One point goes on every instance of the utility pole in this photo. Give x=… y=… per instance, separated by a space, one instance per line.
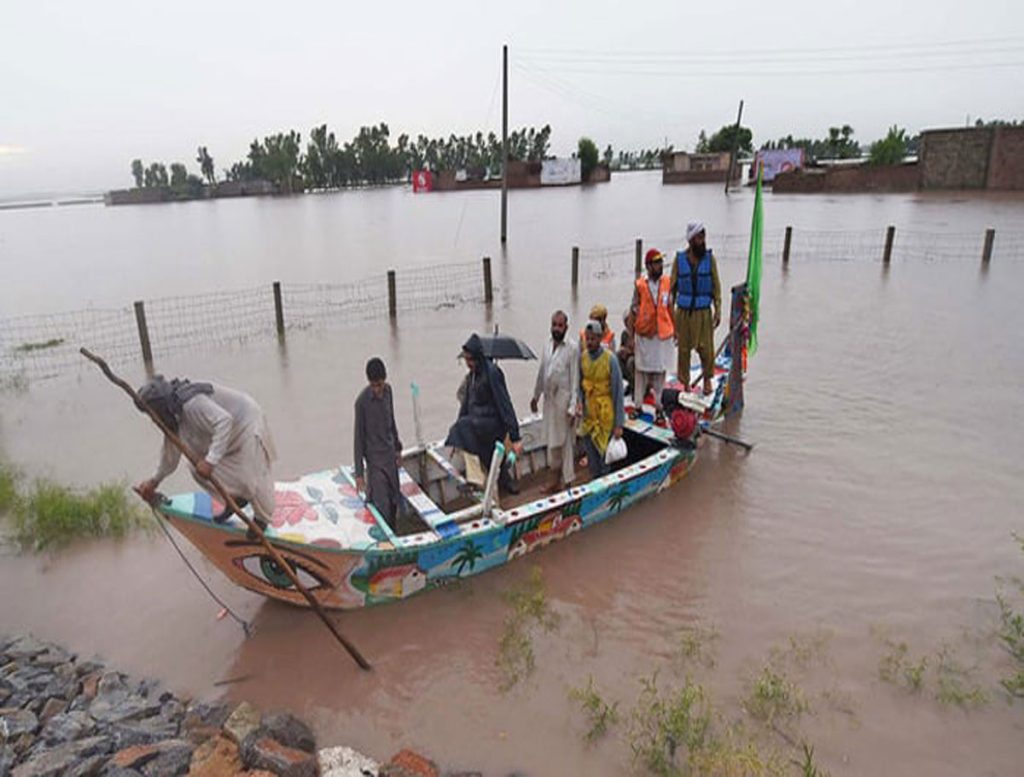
x=735 y=144
x=504 y=143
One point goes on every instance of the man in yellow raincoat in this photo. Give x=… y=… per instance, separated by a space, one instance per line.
x=601 y=398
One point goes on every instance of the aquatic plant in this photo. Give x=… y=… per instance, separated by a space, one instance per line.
x=774 y=698
x=51 y=514
x=1011 y=632
x=40 y=346
x=897 y=668
x=955 y=684
x=677 y=732
x=600 y=714
x=697 y=646
x=528 y=606
x=8 y=488
x=667 y=729
x=14 y=383
x=807 y=766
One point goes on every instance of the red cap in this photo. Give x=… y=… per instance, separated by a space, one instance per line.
x=653 y=255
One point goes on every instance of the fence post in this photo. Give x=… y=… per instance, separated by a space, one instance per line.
x=278 y=309
x=639 y=264
x=488 y=289
x=392 y=300
x=986 y=252
x=785 y=246
x=575 y=267
x=140 y=319
x=890 y=235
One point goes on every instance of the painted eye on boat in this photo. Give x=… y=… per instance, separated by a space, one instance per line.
x=266 y=570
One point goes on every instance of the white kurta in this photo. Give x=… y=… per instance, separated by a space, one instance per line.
x=558 y=381
x=228 y=429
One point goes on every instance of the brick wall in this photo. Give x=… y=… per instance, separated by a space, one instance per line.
x=1006 y=162
x=955 y=158
x=859 y=178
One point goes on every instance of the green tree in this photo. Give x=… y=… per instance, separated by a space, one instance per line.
x=839 y=144
x=179 y=177
x=205 y=162
x=138 y=173
x=155 y=176
x=724 y=138
x=891 y=149
x=588 y=154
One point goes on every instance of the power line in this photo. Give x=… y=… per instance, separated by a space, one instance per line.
x=760 y=73
x=909 y=47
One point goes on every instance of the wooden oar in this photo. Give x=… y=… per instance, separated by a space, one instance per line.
x=747 y=446
x=233 y=506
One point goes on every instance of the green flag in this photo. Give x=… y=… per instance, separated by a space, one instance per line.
x=754 y=265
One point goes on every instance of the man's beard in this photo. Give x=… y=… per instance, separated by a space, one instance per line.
x=558 y=336
x=655 y=274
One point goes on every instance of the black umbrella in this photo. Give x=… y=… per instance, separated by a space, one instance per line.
x=505 y=347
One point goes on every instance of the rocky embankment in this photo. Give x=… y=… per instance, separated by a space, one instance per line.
x=63 y=716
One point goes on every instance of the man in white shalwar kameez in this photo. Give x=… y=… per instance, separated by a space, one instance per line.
x=226 y=429
x=654 y=332
x=558 y=380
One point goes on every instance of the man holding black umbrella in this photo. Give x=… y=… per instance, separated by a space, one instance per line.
x=486 y=414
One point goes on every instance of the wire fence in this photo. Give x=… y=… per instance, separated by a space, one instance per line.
x=43 y=346
x=805 y=245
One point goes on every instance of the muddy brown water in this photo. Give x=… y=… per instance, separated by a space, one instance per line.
x=878 y=503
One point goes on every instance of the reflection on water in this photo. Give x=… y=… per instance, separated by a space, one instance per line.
x=882 y=491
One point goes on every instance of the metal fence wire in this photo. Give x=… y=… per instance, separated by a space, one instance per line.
x=43 y=346
x=807 y=245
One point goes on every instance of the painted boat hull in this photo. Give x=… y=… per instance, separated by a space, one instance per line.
x=348 y=579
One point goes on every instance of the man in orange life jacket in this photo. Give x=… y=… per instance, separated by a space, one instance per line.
x=655 y=331
x=697 y=295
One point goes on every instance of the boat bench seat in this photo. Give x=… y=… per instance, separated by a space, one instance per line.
x=424 y=506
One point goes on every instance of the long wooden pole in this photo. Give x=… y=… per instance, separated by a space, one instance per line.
x=233 y=506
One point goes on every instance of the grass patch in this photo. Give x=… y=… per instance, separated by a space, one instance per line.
x=600 y=715
x=774 y=698
x=51 y=514
x=898 y=668
x=40 y=346
x=528 y=607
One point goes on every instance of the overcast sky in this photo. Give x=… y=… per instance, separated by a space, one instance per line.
x=87 y=86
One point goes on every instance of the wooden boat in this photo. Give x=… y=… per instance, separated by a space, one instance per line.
x=347 y=556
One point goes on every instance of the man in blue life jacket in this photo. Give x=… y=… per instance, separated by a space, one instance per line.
x=697 y=296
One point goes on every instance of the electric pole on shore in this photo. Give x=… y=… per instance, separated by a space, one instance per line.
x=735 y=145
x=504 y=143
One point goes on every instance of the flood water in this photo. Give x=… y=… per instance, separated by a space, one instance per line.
x=878 y=503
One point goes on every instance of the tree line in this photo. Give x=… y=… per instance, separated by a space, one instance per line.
x=369 y=158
